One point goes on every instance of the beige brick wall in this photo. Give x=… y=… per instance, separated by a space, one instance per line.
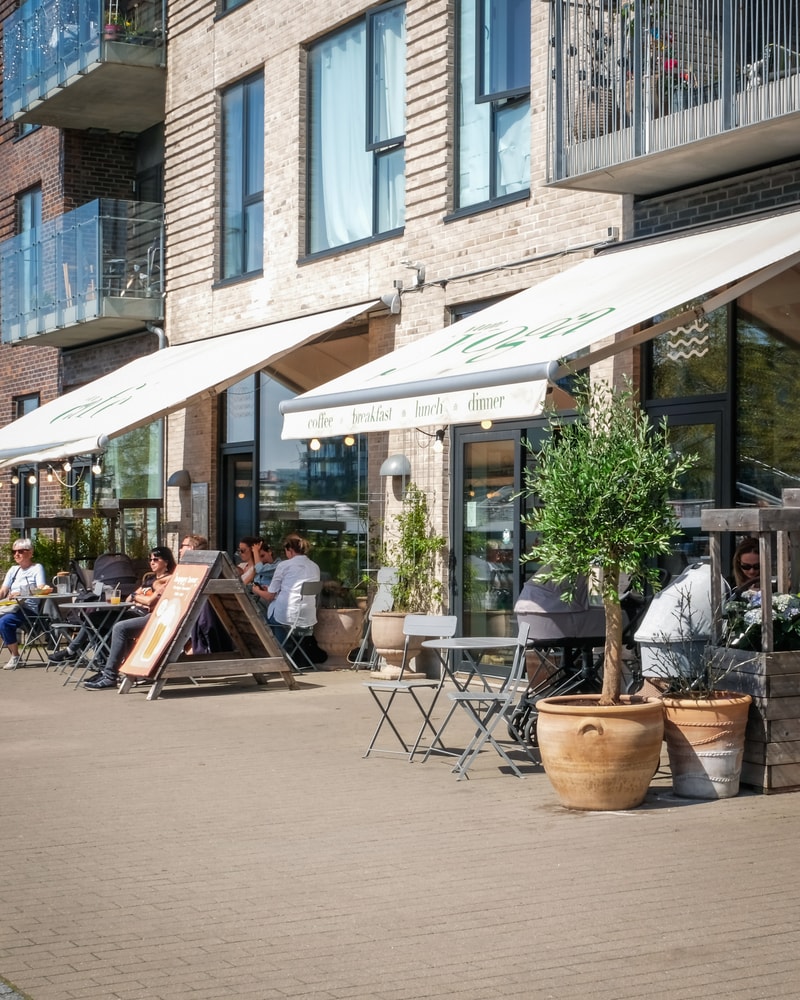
x=479 y=256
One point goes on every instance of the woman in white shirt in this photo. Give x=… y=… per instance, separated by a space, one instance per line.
x=23 y=578
x=283 y=594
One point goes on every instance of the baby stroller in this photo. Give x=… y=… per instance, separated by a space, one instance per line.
x=564 y=636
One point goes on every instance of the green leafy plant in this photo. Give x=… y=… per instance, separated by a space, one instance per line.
x=742 y=617
x=414 y=552
x=603 y=482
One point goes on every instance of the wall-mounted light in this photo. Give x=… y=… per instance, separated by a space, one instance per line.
x=349 y=440
x=181 y=479
x=396 y=465
x=392 y=300
x=438 y=441
x=486 y=424
x=314 y=444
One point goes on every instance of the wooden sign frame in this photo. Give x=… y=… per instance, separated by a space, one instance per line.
x=159 y=654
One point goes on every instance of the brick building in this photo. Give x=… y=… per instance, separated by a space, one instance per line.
x=409 y=163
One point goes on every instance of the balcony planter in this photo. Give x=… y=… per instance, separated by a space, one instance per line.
x=113 y=32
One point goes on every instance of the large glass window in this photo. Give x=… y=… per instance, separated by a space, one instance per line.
x=243 y=178
x=357 y=131
x=493 y=101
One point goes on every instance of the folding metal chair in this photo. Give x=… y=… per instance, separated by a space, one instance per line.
x=487 y=709
x=299 y=629
x=37 y=635
x=429 y=627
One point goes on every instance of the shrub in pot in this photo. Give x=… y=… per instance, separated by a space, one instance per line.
x=413 y=552
x=602 y=484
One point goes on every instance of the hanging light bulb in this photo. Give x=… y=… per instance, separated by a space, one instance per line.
x=97 y=468
x=486 y=424
x=67 y=465
x=314 y=444
x=349 y=440
x=438 y=444
x=14 y=478
x=50 y=476
x=32 y=479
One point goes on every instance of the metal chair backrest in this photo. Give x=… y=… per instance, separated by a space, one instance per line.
x=517 y=672
x=431 y=626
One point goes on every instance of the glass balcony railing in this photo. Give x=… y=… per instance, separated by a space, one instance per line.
x=101 y=262
x=633 y=78
x=49 y=43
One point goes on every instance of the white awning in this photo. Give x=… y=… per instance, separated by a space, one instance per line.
x=81 y=421
x=492 y=365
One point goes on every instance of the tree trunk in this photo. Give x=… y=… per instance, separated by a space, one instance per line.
x=612 y=655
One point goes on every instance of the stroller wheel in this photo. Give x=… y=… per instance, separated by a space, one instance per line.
x=530 y=729
x=516 y=724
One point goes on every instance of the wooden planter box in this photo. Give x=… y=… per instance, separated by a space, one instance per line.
x=771 y=760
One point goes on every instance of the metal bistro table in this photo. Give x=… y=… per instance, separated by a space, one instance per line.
x=98 y=617
x=473 y=649
x=36 y=623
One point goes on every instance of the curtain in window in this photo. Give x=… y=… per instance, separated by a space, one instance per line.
x=388 y=90
x=232 y=182
x=341 y=166
x=513 y=126
x=473 y=119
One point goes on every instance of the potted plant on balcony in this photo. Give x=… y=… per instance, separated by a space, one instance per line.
x=414 y=554
x=602 y=485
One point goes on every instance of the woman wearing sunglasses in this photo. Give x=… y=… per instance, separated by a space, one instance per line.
x=125 y=632
x=746 y=566
x=249 y=552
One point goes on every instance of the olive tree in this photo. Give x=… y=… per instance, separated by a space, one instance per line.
x=602 y=484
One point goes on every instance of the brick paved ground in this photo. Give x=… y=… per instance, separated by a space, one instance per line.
x=230 y=842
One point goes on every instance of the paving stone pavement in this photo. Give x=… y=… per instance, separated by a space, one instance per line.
x=230 y=842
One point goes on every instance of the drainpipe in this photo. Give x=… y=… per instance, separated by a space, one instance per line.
x=162 y=343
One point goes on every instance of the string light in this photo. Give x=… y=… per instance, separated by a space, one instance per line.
x=50 y=474
x=14 y=478
x=67 y=466
x=314 y=444
x=486 y=424
x=438 y=444
x=349 y=440
x=97 y=468
x=32 y=479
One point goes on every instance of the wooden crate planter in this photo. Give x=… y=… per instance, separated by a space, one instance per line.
x=772 y=740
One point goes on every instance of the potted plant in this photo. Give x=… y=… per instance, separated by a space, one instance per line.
x=602 y=484
x=704 y=725
x=413 y=553
x=339 y=619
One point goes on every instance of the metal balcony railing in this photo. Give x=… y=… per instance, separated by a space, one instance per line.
x=101 y=261
x=48 y=43
x=629 y=78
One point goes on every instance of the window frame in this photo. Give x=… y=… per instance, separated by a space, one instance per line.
x=248 y=199
x=497 y=103
x=481 y=33
x=380 y=148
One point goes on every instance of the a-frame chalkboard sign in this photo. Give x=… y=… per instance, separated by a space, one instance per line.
x=159 y=654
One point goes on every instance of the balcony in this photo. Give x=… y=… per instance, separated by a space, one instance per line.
x=652 y=96
x=66 y=66
x=84 y=276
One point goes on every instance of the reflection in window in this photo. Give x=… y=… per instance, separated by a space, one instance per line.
x=690 y=362
x=322 y=494
x=768 y=373
x=357 y=130
x=493 y=113
x=243 y=178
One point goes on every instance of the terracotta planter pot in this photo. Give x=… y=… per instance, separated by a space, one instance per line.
x=705 y=743
x=600 y=757
x=388 y=638
x=338 y=630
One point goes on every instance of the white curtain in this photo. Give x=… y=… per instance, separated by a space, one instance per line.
x=474 y=119
x=341 y=167
x=513 y=148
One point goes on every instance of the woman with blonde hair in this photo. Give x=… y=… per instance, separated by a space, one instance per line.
x=283 y=595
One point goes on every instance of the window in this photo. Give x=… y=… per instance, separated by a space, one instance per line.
x=230 y=4
x=493 y=113
x=357 y=131
x=243 y=178
x=25 y=404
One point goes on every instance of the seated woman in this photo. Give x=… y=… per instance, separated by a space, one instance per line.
x=283 y=595
x=125 y=633
x=23 y=578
